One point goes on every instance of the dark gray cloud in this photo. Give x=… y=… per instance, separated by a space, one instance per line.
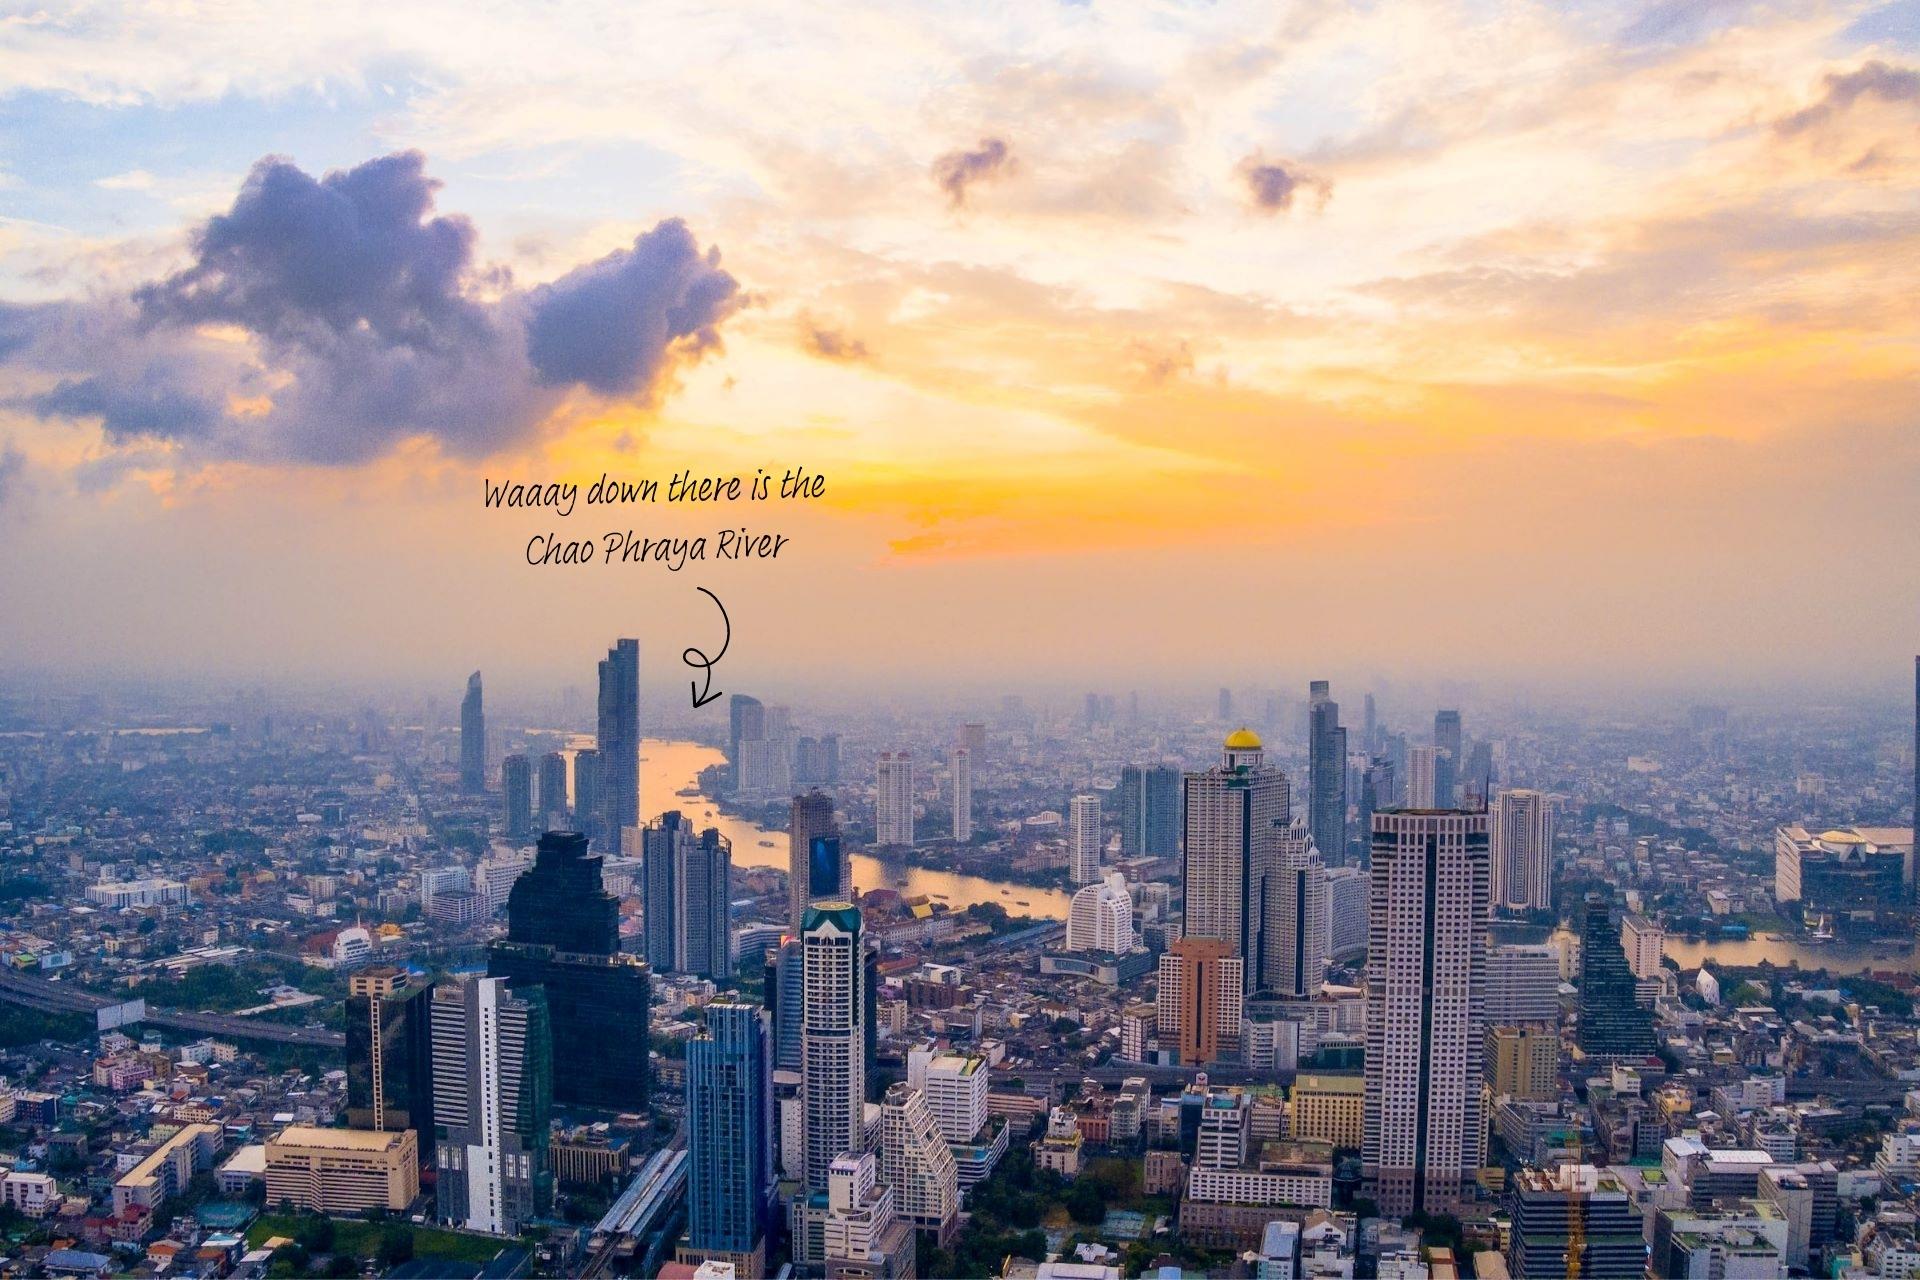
x=830 y=343
x=371 y=323
x=613 y=324
x=956 y=171
x=1874 y=79
x=1274 y=185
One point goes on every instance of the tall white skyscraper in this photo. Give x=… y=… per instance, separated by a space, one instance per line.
x=1101 y=917
x=1423 y=764
x=1293 y=954
x=893 y=799
x=1426 y=979
x=1236 y=813
x=1083 y=821
x=1523 y=825
x=832 y=1036
x=962 y=794
x=492 y=1092
x=917 y=1163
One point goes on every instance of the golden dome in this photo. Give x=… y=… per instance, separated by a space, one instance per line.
x=1243 y=739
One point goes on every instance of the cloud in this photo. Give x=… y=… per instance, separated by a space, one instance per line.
x=1273 y=185
x=828 y=342
x=363 y=320
x=1874 y=79
x=13 y=465
x=958 y=170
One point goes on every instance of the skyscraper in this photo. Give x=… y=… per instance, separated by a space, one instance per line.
x=746 y=722
x=619 y=741
x=833 y=1036
x=962 y=794
x=729 y=1138
x=1150 y=811
x=1426 y=974
x=1199 y=1000
x=1612 y=1023
x=1326 y=775
x=553 y=791
x=816 y=865
x=589 y=803
x=492 y=1092
x=973 y=736
x=1423 y=778
x=785 y=996
x=1100 y=917
x=1293 y=963
x=389 y=1052
x=473 y=739
x=893 y=799
x=516 y=788
x=563 y=934
x=1523 y=823
x=1083 y=828
x=917 y=1163
x=1451 y=760
x=689 y=895
x=1376 y=793
x=1235 y=814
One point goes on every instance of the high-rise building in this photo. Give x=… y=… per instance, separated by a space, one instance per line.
x=1200 y=999
x=1326 y=775
x=973 y=736
x=1100 y=917
x=746 y=722
x=1149 y=811
x=473 y=739
x=619 y=741
x=563 y=935
x=1083 y=833
x=389 y=1051
x=785 y=995
x=516 y=786
x=962 y=766
x=1236 y=813
x=1293 y=961
x=589 y=797
x=1451 y=760
x=343 y=1171
x=689 y=896
x=553 y=791
x=1224 y=706
x=956 y=1089
x=729 y=1139
x=893 y=799
x=1426 y=976
x=1612 y=1023
x=862 y=1236
x=1348 y=889
x=492 y=1093
x=1369 y=729
x=1644 y=943
x=917 y=1163
x=1423 y=778
x=1523 y=823
x=1523 y=983
x=817 y=866
x=1523 y=1062
x=833 y=1036
x=1552 y=1208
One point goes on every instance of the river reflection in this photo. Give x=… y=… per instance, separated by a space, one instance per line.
x=667 y=767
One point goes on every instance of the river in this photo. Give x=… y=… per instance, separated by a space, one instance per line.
x=667 y=767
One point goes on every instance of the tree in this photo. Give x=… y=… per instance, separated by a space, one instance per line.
x=1085 y=1204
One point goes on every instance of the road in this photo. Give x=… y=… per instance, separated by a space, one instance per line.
x=56 y=997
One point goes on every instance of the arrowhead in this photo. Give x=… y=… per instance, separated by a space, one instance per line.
x=702 y=699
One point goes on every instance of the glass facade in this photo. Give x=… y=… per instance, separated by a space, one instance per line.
x=729 y=1099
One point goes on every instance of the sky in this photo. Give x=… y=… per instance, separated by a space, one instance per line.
x=1560 y=343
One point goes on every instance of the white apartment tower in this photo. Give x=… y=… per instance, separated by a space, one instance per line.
x=1422 y=767
x=1522 y=837
x=1236 y=813
x=1083 y=818
x=1101 y=917
x=893 y=799
x=832 y=1037
x=917 y=1163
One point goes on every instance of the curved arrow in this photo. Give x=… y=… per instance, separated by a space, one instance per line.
x=695 y=658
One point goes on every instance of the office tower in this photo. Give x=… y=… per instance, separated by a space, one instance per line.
x=563 y=934
x=1551 y=1208
x=746 y=722
x=1200 y=999
x=1426 y=976
x=1235 y=814
x=1225 y=708
x=1369 y=728
x=1523 y=983
x=553 y=791
x=1083 y=832
x=1612 y=1023
x=516 y=785
x=830 y=756
x=956 y=1089
x=962 y=794
x=1326 y=775
x=473 y=739
x=619 y=741
x=1376 y=793
x=389 y=1051
x=689 y=895
x=917 y=1163
x=1644 y=943
x=729 y=1139
x=973 y=736
x=1293 y=963
x=1450 y=760
x=589 y=798
x=493 y=1083
x=1523 y=1062
x=816 y=865
x=1100 y=917
x=1477 y=775
x=1522 y=824
x=893 y=799
x=862 y=1237
x=1347 y=891
x=341 y=1171
x=1150 y=811
x=785 y=995
x=1423 y=778
x=833 y=1036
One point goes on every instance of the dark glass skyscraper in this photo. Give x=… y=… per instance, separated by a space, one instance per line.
x=553 y=791
x=1150 y=811
x=746 y=722
x=783 y=998
x=815 y=870
x=473 y=739
x=619 y=741
x=563 y=933
x=516 y=789
x=729 y=1137
x=1326 y=776
x=688 y=899
x=390 y=1053
x=587 y=794
x=1612 y=1022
